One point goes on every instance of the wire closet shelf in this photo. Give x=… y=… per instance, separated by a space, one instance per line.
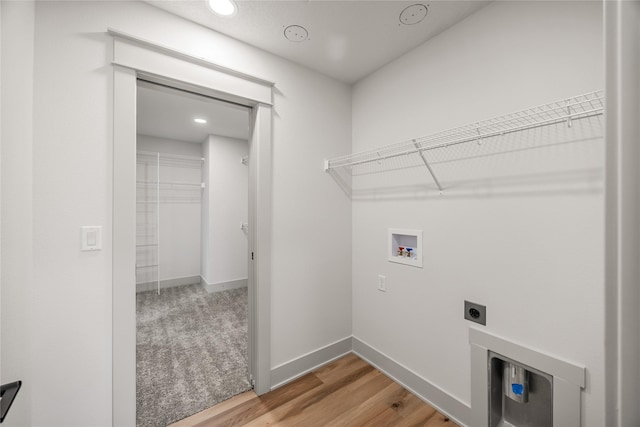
x=563 y=111
x=151 y=192
x=176 y=160
x=155 y=189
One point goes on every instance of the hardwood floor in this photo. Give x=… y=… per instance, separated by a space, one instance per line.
x=347 y=392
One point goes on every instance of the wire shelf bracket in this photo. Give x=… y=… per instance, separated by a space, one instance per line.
x=564 y=111
x=426 y=163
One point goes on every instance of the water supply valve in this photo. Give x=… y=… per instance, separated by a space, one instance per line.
x=516 y=382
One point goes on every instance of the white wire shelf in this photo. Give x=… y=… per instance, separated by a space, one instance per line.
x=171 y=183
x=172 y=160
x=147 y=266
x=168 y=192
x=563 y=111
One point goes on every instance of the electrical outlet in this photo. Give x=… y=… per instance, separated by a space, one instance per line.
x=382 y=283
x=475 y=312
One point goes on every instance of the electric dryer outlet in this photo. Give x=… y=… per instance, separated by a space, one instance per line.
x=475 y=312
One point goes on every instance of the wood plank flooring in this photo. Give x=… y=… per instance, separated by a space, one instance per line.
x=347 y=392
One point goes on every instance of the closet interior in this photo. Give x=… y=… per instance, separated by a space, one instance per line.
x=170 y=186
x=191 y=253
x=191 y=191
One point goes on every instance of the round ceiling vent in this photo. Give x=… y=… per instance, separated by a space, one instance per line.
x=413 y=14
x=296 y=33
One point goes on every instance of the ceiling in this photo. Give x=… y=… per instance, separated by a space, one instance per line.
x=168 y=113
x=347 y=40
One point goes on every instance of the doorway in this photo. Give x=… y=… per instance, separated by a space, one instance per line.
x=191 y=253
x=139 y=59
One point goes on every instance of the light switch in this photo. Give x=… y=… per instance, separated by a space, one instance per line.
x=91 y=238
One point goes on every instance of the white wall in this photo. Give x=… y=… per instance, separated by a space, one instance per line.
x=225 y=206
x=72 y=175
x=180 y=230
x=475 y=70
x=527 y=242
x=16 y=204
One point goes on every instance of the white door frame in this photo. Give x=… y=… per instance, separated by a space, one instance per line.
x=133 y=58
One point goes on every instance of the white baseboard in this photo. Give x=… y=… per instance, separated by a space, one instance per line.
x=223 y=286
x=569 y=379
x=446 y=404
x=302 y=365
x=168 y=283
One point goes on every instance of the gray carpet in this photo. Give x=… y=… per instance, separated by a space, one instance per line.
x=191 y=352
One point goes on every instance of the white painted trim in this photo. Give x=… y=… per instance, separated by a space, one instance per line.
x=124 y=247
x=182 y=71
x=289 y=371
x=622 y=212
x=148 y=58
x=168 y=283
x=185 y=56
x=259 y=251
x=223 y=286
x=434 y=396
x=568 y=379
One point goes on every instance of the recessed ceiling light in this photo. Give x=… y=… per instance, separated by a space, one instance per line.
x=223 y=7
x=413 y=14
x=200 y=121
